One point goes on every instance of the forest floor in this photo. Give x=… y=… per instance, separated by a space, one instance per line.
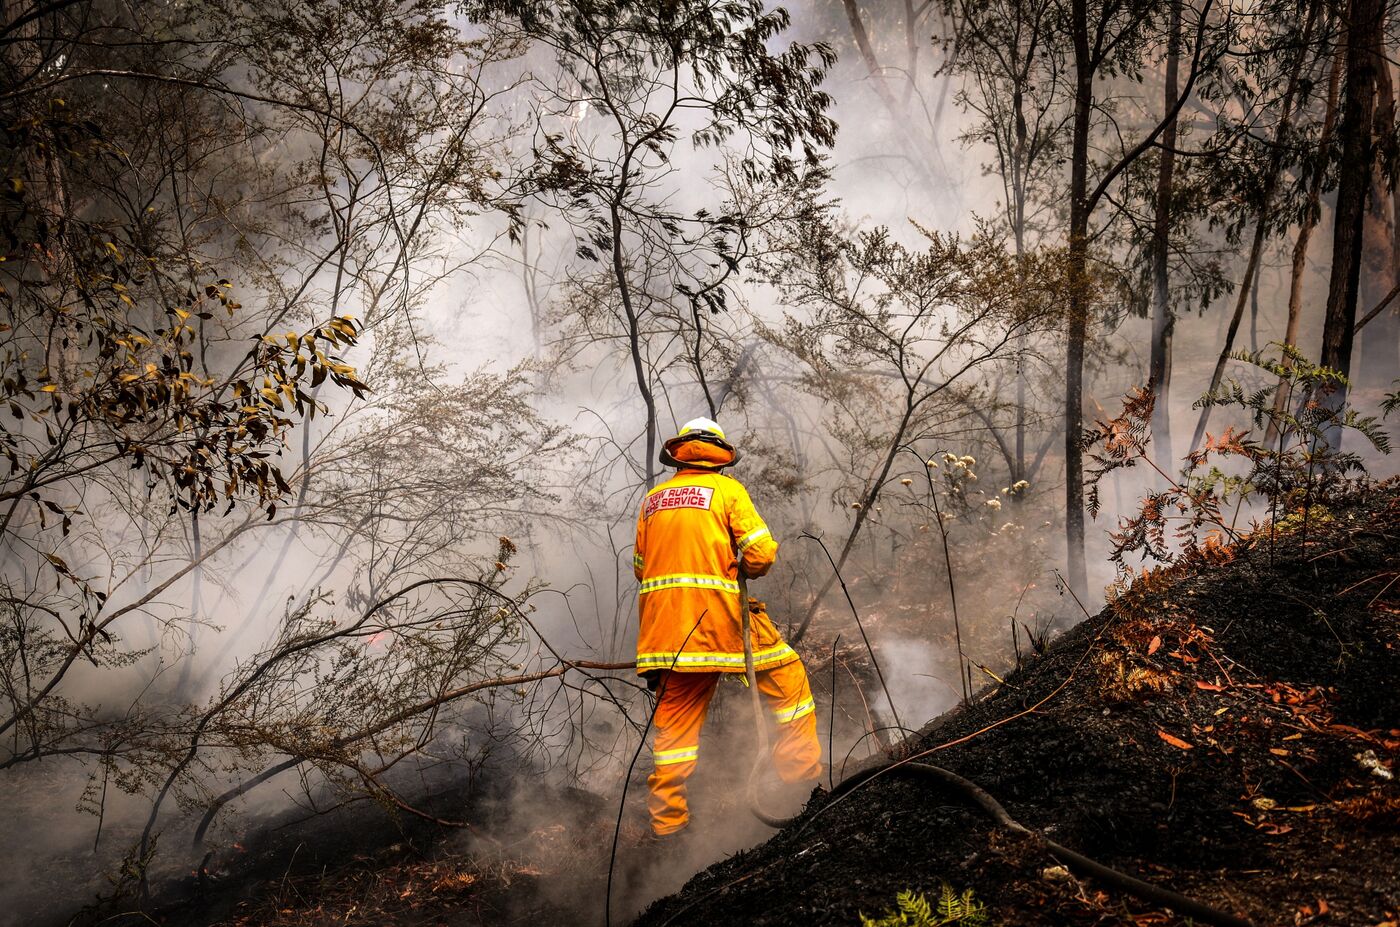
x=1228 y=728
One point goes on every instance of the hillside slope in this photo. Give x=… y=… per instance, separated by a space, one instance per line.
x=1227 y=729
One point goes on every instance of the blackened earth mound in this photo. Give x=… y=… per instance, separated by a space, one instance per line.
x=1226 y=728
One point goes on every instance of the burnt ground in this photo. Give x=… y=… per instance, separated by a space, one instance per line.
x=1210 y=731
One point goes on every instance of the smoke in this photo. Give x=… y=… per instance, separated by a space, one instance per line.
x=510 y=410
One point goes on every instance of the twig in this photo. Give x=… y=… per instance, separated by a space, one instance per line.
x=1182 y=904
x=831 y=720
x=952 y=588
x=1383 y=591
x=859 y=624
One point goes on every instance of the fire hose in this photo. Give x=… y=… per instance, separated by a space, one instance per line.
x=760 y=726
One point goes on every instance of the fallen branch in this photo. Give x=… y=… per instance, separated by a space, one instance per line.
x=347 y=740
x=976 y=795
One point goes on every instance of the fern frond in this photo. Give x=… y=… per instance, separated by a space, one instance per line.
x=954 y=909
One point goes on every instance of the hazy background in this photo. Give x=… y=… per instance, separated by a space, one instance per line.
x=497 y=414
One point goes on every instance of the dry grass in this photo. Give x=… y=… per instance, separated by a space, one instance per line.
x=398 y=892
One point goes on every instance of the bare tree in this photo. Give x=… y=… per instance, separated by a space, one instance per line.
x=633 y=83
x=893 y=334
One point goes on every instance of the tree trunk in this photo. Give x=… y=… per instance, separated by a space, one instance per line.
x=1077 y=322
x=1261 y=226
x=1159 y=376
x=918 y=148
x=1018 y=231
x=1378 y=360
x=1300 y=247
x=634 y=334
x=1364 y=22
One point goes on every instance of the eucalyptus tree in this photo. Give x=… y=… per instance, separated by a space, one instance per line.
x=1365 y=58
x=1266 y=97
x=198 y=200
x=1107 y=40
x=1163 y=318
x=1017 y=88
x=632 y=95
x=1049 y=85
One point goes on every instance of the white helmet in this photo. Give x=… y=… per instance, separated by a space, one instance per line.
x=702 y=425
x=699 y=429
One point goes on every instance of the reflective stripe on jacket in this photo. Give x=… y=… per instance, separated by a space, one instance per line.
x=690 y=533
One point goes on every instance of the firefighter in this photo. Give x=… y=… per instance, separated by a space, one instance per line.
x=695 y=532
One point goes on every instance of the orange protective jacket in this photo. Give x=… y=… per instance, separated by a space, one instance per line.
x=691 y=533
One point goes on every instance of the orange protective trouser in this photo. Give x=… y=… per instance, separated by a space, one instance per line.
x=684 y=699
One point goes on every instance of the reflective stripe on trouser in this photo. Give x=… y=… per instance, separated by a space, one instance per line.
x=704 y=660
x=796 y=752
x=680 y=715
x=683 y=700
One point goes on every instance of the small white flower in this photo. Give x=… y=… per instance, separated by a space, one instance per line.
x=856 y=505
x=994 y=504
x=906 y=482
x=968 y=460
x=932 y=464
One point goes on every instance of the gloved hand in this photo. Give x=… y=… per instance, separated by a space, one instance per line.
x=653 y=679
